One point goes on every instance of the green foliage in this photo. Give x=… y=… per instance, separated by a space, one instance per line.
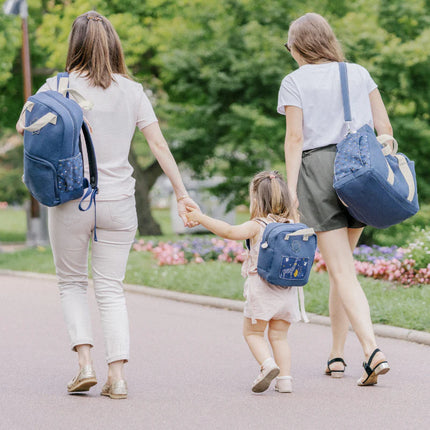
x=214 y=68
x=399 y=234
x=12 y=189
x=419 y=247
x=389 y=304
x=12 y=225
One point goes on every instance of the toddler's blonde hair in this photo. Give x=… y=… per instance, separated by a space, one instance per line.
x=269 y=196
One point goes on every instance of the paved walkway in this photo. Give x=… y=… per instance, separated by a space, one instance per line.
x=191 y=369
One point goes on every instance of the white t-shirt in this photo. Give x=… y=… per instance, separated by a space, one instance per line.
x=316 y=89
x=113 y=119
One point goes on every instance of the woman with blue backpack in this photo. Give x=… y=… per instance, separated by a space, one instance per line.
x=97 y=73
x=267 y=306
x=311 y=99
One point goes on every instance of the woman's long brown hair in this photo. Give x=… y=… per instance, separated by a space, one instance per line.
x=314 y=39
x=95 y=50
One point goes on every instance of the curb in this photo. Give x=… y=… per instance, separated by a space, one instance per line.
x=381 y=330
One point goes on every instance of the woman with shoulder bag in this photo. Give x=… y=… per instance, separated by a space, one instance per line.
x=97 y=70
x=311 y=99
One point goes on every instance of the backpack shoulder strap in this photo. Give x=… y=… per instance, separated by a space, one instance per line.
x=63 y=82
x=91 y=156
x=262 y=223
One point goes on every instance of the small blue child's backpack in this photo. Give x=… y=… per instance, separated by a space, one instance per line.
x=375 y=182
x=286 y=254
x=53 y=163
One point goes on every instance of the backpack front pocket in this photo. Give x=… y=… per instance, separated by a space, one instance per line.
x=40 y=179
x=70 y=173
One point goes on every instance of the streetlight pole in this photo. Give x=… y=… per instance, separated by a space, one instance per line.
x=26 y=69
x=37 y=231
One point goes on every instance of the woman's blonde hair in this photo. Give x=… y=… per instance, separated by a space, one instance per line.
x=313 y=38
x=269 y=196
x=95 y=50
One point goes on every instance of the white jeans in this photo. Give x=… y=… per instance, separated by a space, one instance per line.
x=70 y=232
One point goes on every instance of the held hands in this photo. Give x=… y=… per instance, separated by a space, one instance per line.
x=186 y=204
x=193 y=215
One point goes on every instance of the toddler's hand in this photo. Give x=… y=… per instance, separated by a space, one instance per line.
x=184 y=205
x=193 y=214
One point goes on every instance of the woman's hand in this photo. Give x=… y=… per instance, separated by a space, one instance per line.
x=186 y=204
x=193 y=214
x=19 y=128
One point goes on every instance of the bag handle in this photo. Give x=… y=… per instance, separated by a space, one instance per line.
x=383 y=139
x=305 y=232
x=46 y=119
x=345 y=95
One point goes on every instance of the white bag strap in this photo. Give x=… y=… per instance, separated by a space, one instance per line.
x=63 y=83
x=403 y=164
x=302 y=305
x=79 y=98
x=390 y=177
x=407 y=174
x=28 y=106
x=306 y=232
x=383 y=139
x=46 y=119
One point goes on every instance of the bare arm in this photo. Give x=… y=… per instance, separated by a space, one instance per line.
x=379 y=113
x=161 y=151
x=293 y=148
x=247 y=230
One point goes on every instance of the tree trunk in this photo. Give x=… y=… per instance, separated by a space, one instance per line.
x=145 y=179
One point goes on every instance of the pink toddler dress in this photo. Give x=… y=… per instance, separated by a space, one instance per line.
x=266 y=301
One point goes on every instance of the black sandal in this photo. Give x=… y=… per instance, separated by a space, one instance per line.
x=371 y=375
x=335 y=373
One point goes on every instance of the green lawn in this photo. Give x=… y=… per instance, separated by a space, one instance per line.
x=13 y=225
x=390 y=304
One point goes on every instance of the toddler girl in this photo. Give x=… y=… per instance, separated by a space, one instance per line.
x=266 y=305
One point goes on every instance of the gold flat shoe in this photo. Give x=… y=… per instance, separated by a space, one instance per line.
x=83 y=381
x=116 y=390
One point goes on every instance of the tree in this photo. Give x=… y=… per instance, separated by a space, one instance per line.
x=214 y=68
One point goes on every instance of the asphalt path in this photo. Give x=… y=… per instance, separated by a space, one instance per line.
x=191 y=369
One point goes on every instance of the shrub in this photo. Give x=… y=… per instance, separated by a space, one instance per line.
x=400 y=234
x=419 y=248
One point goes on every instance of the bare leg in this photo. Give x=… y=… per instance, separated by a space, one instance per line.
x=335 y=248
x=84 y=355
x=338 y=317
x=115 y=371
x=254 y=336
x=278 y=330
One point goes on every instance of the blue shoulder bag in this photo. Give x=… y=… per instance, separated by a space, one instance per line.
x=375 y=182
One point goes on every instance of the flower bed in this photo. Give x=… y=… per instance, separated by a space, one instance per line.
x=196 y=250
x=387 y=263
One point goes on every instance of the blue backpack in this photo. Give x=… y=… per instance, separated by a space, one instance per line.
x=375 y=183
x=286 y=253
x=53 y=163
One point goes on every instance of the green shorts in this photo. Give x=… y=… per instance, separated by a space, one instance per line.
x=319 y=206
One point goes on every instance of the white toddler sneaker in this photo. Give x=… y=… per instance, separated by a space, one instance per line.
x=269 y=371
x=284 y=384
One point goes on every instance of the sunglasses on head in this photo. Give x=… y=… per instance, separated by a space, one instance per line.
x=288 y=47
